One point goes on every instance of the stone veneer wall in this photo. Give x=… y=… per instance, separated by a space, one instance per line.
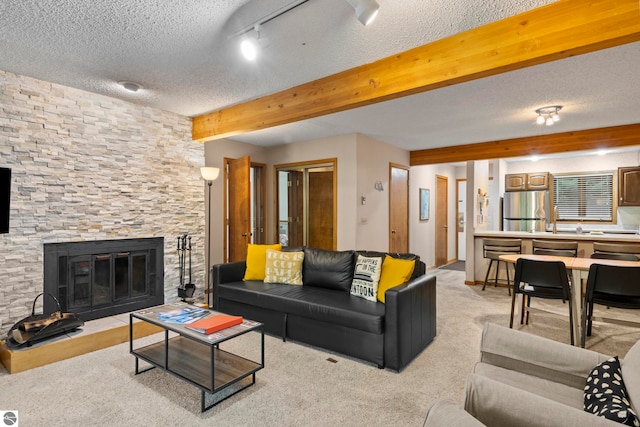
x=90 y=167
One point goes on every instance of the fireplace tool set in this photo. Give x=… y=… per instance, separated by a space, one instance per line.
x=185 y=290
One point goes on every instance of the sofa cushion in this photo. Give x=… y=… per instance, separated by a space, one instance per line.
x=549 y=389
x=631 y=375
x=394 y=272
x=366 y=277
x=283 y=267
x=328 y=269
x=312 y=302
x=606 y=396
x=256 y=260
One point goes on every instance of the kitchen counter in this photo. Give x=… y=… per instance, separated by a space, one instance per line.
x=585 y=245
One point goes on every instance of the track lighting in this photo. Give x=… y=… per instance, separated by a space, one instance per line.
x=548 y=115
x=249 y=46
x=366 y=10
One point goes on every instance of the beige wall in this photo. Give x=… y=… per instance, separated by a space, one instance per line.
x=361 y=162
x=215 y=153
x=423 y=232
x=372 y=219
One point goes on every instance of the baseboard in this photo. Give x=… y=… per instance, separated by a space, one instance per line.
x=28 y=358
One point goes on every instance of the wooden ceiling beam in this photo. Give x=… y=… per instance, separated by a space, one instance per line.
x=591 y=139
x=555 y=31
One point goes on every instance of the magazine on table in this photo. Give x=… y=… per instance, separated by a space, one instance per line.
x=183 y=315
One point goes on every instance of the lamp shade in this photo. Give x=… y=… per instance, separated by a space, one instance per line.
x=209 y=173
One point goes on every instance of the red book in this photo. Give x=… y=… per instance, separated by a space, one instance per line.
x=214 y=323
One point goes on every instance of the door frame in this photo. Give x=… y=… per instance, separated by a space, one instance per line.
x=458 y=181
x=390 y=227
x=259 y=186
x=438 y=225
x=306 y=165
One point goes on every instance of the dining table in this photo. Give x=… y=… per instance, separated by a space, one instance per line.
x=579 y=268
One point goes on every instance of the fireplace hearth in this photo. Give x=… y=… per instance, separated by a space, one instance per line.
x=103 y=278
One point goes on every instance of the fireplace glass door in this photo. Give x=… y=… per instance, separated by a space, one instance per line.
x=106 y=278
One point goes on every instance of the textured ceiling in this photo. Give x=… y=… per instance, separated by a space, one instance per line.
x=183 y=56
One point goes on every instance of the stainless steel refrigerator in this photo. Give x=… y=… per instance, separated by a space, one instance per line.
x=526 y=210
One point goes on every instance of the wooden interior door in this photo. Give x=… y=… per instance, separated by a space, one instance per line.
x=321 y=210
x=295 y=206
x=398 y=208
x=442 y=226
x=239 y=208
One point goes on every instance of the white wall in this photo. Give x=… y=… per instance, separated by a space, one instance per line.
x=372 y=219
x=422 y=233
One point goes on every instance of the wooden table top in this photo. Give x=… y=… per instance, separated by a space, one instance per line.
x=570 y=262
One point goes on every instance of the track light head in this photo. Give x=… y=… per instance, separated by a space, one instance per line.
x=366 y=10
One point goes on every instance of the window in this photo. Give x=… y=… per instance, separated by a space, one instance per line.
x=584 y=197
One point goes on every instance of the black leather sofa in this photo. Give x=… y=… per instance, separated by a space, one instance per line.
x=389 y=335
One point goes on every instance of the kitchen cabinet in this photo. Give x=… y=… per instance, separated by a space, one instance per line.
x=526 y=181
x=629 y=186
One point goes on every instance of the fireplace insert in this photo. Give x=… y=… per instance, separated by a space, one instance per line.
x=103 y=278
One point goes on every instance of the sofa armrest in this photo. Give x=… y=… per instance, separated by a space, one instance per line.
x=537 y=356
x=410 y=320
x=496 y=404
x=447 y=413
x=226 y=273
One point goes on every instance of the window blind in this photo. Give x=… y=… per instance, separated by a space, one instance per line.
x=584 y=197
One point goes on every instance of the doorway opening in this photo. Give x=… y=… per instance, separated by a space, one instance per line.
x=244 y=206
x=306 y=204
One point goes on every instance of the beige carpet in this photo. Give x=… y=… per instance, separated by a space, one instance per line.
x=298 y=386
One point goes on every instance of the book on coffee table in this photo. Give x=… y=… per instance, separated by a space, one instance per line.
x=214 y=323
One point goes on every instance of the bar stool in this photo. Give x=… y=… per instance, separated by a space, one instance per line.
x=492 y=249
x=616 y=251
x=557 y=248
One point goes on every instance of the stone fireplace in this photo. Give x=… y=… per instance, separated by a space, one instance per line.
x=102 y=278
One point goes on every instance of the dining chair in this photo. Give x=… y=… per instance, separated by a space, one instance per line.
x=492 y=249
x=611 y=286
x=540 y=279
x=555 y=247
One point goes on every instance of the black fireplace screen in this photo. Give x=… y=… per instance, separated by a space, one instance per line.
x=107 y=277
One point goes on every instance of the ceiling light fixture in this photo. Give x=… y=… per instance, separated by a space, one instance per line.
x=366 y=10
x=249 y=45
x=130 y=86
x=548 y=115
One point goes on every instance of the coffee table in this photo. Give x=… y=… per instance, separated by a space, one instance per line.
x=198 y=358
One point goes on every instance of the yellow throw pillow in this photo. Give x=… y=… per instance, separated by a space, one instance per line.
x=394 y=272
x=283 y=267
x=256 y=260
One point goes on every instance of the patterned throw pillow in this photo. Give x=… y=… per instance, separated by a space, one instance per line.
x=606 y=396
x=366 y=277
x=283 y=267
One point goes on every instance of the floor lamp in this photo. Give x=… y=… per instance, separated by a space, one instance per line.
x=209 y=174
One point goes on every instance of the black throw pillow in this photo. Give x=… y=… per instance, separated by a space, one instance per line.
x=606 y=396
x=328 y=269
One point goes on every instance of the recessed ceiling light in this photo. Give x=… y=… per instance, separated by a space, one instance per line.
x=130 y=86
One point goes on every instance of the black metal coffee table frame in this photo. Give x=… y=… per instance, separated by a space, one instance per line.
x=195 y=357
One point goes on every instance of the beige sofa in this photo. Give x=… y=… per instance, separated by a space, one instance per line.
x=526 y=380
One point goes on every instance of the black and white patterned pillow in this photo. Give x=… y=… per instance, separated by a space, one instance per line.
x=366 y=277
x=606 y=396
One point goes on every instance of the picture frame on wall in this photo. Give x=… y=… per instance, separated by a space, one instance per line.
x=424 y=204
